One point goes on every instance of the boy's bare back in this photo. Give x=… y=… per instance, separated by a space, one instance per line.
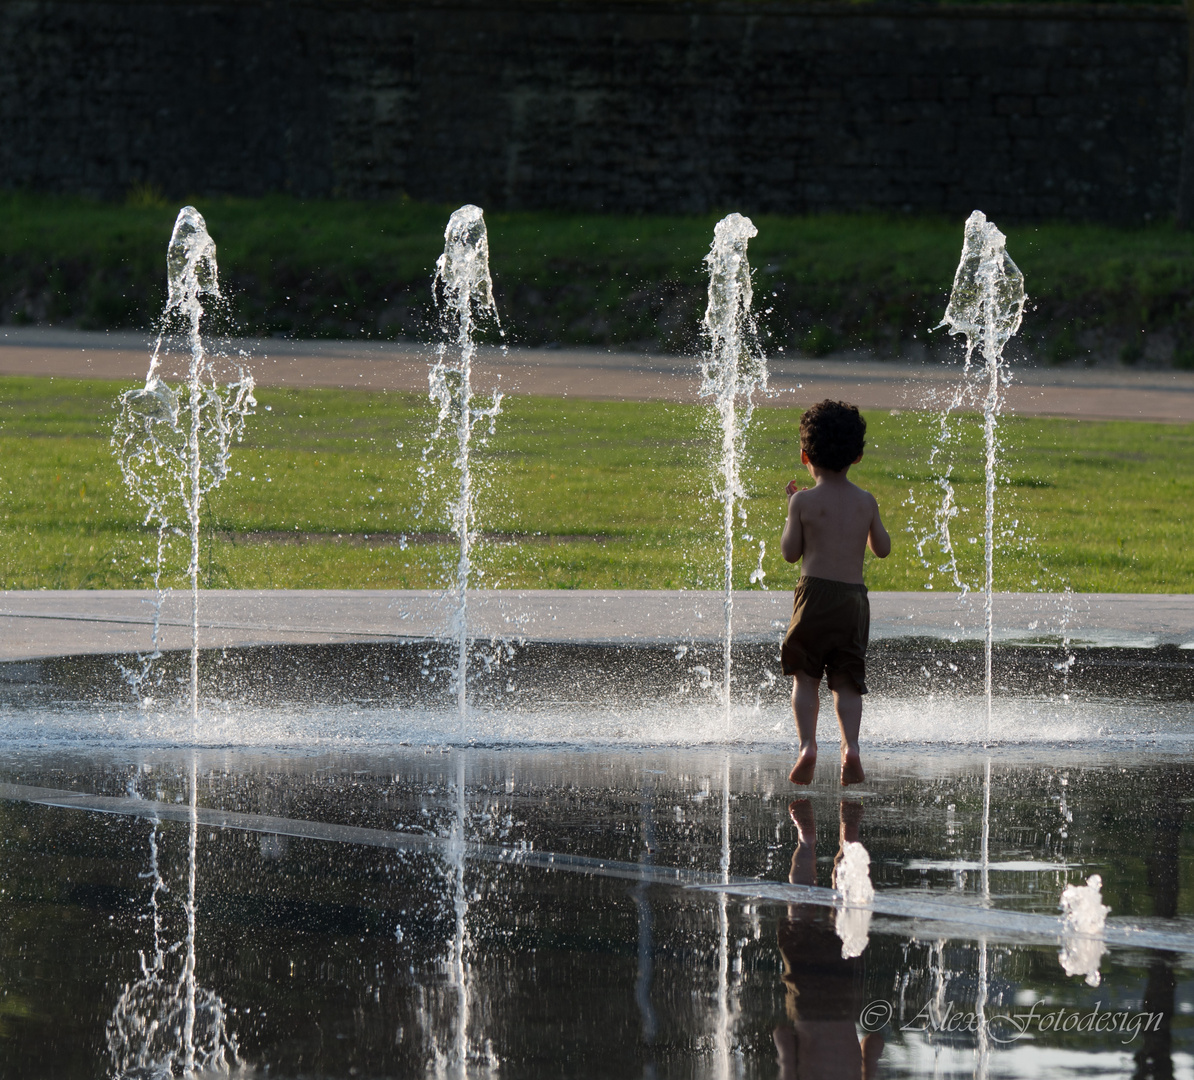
x=829 y=527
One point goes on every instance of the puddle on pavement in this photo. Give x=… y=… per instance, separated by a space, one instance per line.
x=607 y=911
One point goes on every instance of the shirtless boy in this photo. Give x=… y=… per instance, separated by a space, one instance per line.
x=829 y=527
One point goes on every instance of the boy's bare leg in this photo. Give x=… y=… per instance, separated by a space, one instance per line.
x=849 y=819
x=806 y=704
x=787 y=1052
x=804 y=858
x=872 y=1047
x=847 y=702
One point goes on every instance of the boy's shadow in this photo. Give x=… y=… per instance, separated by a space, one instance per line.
x=824 y=993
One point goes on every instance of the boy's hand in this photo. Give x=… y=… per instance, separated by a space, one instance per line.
x=793 y=487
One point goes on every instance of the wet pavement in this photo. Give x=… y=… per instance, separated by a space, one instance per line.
x=521 y=912
x=599 y=869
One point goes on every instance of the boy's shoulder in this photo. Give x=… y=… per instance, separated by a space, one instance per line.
x=868 y=496
x=849 y=492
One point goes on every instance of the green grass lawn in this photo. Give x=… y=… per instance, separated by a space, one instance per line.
x=823 y=282
x=574 y=494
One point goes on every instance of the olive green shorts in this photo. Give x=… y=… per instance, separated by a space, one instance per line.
x=831 y=623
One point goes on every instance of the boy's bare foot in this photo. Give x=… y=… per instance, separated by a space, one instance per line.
x=872 y=1047
x=806 y=765
x=851 y=768
x=801 y=813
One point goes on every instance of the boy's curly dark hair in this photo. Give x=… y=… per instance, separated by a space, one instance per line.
x=832 y=433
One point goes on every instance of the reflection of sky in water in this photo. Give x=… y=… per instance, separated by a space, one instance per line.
x=353 y=951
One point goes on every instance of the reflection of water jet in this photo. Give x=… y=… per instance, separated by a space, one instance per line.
x=461 y=1051
x=164 y=1023
x=459 y=966
x=724 y=1033
x=645 y=969
x=984 y=1046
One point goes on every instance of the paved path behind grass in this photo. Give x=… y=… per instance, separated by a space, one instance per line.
x=1093 y=393
x=36 y=625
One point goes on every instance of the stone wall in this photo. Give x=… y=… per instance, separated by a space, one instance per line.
x=1027 y=112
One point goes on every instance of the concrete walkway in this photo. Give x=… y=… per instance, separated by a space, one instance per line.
x=37 y=625
x=872 y=383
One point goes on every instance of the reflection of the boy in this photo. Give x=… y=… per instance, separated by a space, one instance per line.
x=1171 y=801
x=823 y=991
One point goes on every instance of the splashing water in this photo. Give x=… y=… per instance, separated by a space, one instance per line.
x=947 y=508
x=1084 y=915
x=732 y=369
x=986 y=305
x=852 y=878
x=464 y=291
x=1066 y=664
x=174 y=445
x=758 y=574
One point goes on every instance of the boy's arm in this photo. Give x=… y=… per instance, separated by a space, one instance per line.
x=791 y=544
x=877 y=539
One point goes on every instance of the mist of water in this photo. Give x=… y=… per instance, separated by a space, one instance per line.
x=174 y=443
x=733 y=369
x=986 y=306
x=464 y=293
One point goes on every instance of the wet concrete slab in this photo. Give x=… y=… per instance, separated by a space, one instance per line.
x=871 y=381
x=37 y=625
x=318 y=901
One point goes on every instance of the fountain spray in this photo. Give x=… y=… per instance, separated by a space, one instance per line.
x=986 y=305
x=732 y=369
x=173 y=445
x=464 y=290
